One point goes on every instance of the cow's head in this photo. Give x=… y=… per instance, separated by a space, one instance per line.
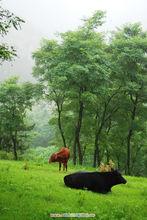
x=118 y=177
x=53 y=158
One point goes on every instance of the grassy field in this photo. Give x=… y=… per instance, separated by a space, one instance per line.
x=35 y=193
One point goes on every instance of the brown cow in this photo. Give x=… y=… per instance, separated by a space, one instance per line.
x=62 y=157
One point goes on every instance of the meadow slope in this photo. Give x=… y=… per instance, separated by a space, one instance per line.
x=34 y=193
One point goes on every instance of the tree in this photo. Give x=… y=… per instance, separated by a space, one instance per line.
x=7 y=21
x=98 y=88
x=50 y=68
x=66 y=66
x=15 y=100
x=129 y=48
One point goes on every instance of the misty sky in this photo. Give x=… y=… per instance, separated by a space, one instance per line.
x=46 y=17
x=50 y=16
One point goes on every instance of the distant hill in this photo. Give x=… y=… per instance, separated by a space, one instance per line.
x=25 y=42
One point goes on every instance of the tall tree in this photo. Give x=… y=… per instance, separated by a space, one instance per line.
x=83 y=51
x=129 y=47
x=49 y=69
x=67 y=66
x=15 y=100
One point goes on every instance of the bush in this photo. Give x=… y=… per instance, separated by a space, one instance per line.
x=107 y=167
x=6 y=155
x=39 y=154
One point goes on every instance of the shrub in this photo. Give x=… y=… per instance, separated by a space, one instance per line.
x=6 y=155
x=107 y=167
x=39 y=154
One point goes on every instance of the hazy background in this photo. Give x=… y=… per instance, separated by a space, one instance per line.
x=44 y=18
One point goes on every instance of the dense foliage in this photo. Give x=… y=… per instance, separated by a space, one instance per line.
x=99 y=90
x=15 y=99
x=95 y=88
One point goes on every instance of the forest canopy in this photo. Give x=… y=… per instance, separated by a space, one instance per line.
x=99 y=89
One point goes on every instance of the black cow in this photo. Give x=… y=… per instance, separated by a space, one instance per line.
x=95 y=181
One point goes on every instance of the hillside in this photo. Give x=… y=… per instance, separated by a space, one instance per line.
x=34 y=193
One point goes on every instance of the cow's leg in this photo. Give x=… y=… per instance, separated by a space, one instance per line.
x=59 y=166
x=66 y=166
x=63 y=166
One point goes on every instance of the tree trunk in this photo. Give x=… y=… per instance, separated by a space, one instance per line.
x=100 y=124
x=130 y=133
x=60 y=124
x=118 y=163
x=74 y=152
x=80 y=152
x=14 y=140
x=77 y=133
x=129 y=150
x=96 y=159
x=107 y=155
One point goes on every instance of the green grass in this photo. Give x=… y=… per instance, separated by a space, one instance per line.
x=34 y=193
